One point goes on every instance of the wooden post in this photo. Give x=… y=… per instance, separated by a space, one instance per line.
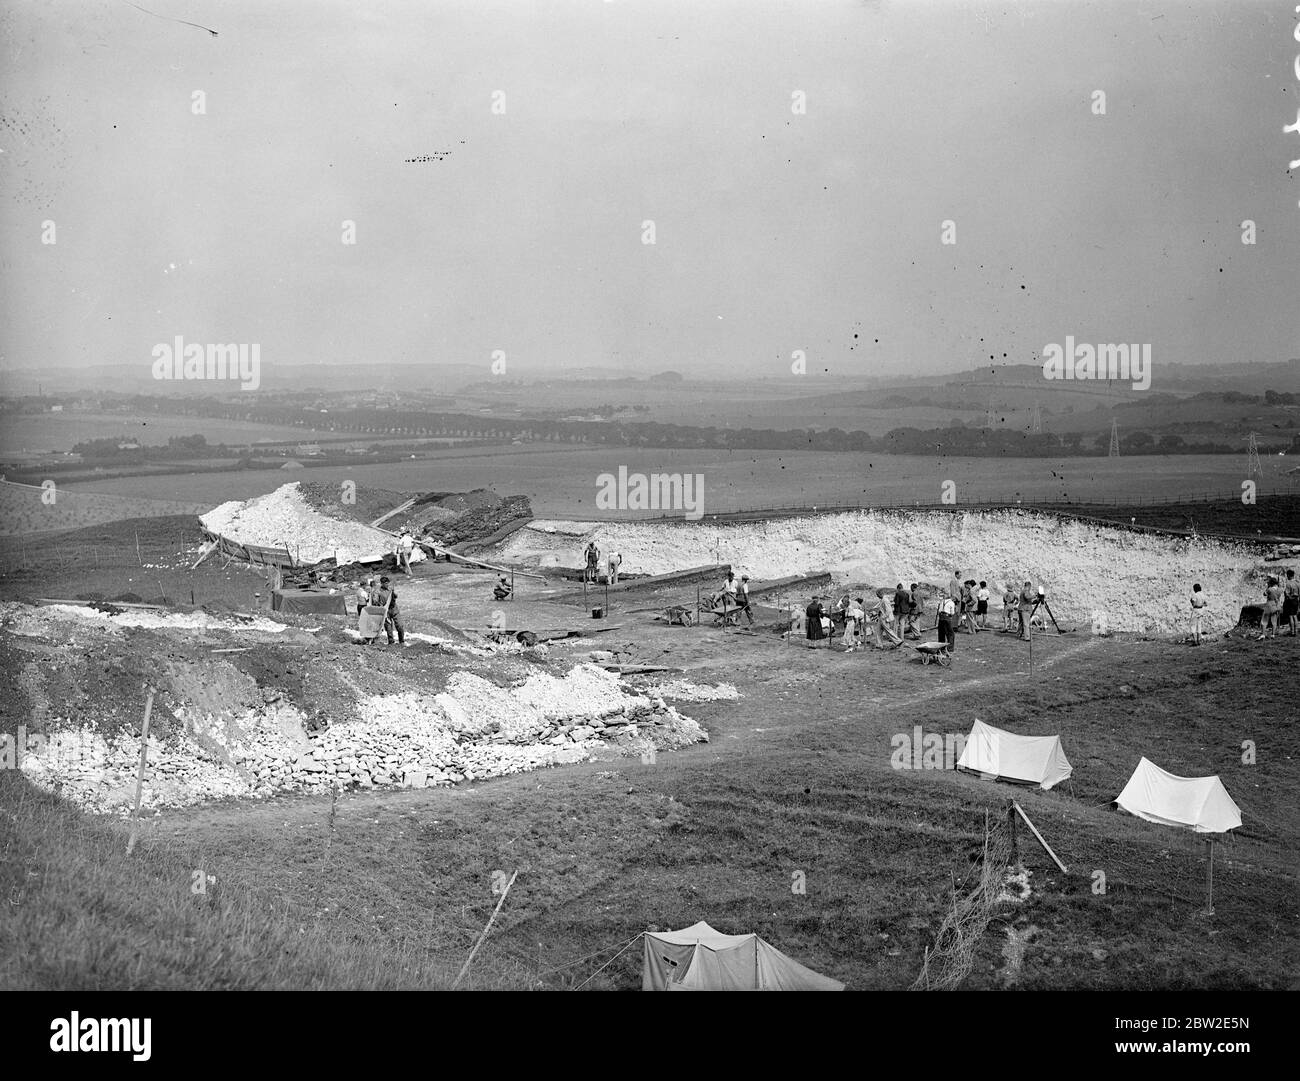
x=138 y=559
x=607 y=595
x=139 y=779
x=512 y=583
x=491 y=919
x=1034 y=830
x=1209 y=882
x=1015 y=849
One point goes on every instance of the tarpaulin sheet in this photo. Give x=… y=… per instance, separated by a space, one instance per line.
x=307 y=600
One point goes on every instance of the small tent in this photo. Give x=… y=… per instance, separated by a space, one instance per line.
x=698 y=958
x=993 y=753
x=1196 y=803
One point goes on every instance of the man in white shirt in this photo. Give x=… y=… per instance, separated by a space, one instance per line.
x=1198 y=610
x=947 y=614
x=615 y=561
x=405 y=545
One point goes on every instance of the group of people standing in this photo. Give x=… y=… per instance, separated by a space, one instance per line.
x=889 y=619
x=1281 y=605
x=892 y=618
x=591 y=572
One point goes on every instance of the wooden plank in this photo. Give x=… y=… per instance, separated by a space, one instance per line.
x=1046 y=847
x=820 y=579
x=90 y=604
x=435 y=551
x=718 y=570
x=396 y=510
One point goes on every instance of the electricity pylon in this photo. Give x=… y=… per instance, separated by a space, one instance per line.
x=1253 y=467
x=1114 y=439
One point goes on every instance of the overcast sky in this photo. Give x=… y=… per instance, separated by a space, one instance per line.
x=773 y=231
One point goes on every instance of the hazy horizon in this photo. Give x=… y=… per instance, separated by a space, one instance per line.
x=774 y=231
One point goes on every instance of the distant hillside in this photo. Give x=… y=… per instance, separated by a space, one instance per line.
x=138 y=379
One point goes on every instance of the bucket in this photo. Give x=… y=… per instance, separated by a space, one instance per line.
x=598 y=613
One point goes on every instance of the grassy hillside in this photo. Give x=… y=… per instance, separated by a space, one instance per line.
x=798 y=779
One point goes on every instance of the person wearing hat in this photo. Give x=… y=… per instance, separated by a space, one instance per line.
x=814 y=620
x=742 y=599
x=387 y=596
x=362 y=595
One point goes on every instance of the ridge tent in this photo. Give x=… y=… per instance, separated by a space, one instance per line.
x=1201 y=804
x=698 y=958
x=994 y=753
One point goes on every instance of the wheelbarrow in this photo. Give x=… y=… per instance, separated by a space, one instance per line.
x=934 y=653
x=728 y=616
x=679 y=616
x=370 y=624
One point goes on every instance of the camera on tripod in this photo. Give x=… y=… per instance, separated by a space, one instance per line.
x=1041 y=602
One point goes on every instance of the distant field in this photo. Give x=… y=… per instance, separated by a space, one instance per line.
x=24 y=511
x=60 y=431
x=562 y=482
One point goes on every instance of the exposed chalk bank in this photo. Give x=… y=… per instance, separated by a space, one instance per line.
x=1139 y=582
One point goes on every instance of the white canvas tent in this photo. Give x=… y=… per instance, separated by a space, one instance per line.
x=1196 y=803
x=1036 y=760
x=698 y=958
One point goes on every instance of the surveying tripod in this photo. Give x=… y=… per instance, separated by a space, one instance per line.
x=1041 y=602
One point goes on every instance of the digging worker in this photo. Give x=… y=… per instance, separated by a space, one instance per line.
x=387 y=595
x=501 y=591
x=405 y=545
x=947 y=633
x=742 y=599
x=729 y=591
x=615 y=561
x=593 y=561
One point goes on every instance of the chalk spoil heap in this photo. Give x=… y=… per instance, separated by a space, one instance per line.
x=285 y=519
x=473 y=730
